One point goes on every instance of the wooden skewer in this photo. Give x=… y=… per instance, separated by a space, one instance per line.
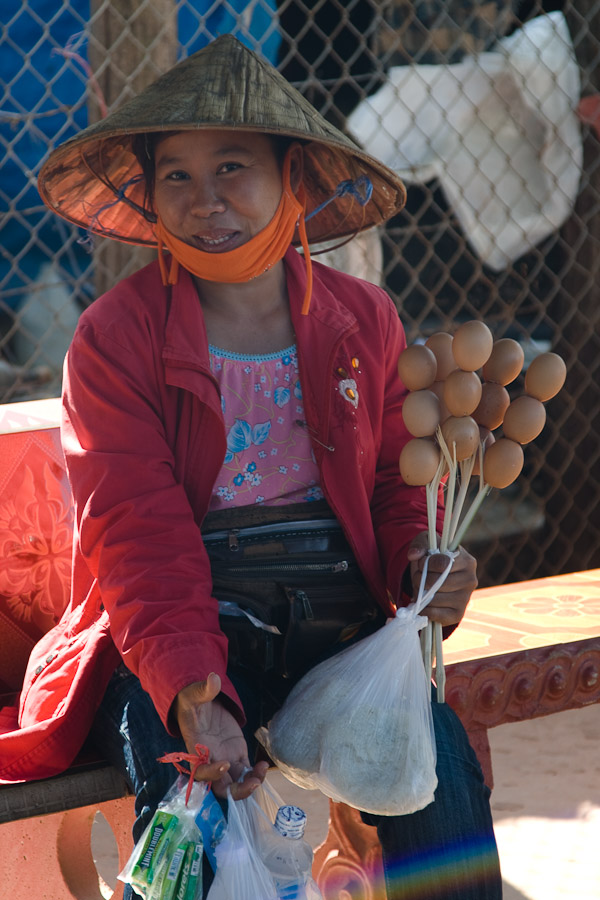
x=440 y=672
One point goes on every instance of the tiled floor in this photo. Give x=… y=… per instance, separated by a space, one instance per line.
x=546 y=805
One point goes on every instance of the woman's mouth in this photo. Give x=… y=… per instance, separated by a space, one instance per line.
x=216 y=242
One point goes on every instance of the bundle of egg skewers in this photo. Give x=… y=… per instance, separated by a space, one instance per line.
x=451 y=414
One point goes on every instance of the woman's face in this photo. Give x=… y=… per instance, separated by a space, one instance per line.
x=216 y=189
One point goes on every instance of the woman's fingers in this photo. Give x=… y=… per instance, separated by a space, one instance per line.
x=212 y=771
x=462 y=575
x=452 y=597
x=250 y=782
x=447 y=612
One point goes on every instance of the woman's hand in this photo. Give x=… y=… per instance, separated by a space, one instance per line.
x=202 y=719
x=450 y=602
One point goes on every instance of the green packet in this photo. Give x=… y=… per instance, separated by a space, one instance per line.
x=190 y=883
x=166 y=863
x=160 y=833
x=180 y=874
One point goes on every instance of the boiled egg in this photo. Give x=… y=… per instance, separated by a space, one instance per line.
x=441 y=345
x=492 y=406
x=421 y=413
x=472 y=345
x=419 y=461
x=417 y=367
x=545 y=376
x=461 y=435
x=524 y=419
x=462 y=392
x=505 y=362
x=502 y=463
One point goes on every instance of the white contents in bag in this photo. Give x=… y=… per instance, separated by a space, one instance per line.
x=359 y=726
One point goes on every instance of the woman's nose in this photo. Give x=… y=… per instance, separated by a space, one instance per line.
x=206 y=200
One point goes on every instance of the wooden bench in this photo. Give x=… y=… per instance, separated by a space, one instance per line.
x=523 y=651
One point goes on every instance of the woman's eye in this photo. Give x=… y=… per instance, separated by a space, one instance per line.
x=177 y=176
x=230 y=167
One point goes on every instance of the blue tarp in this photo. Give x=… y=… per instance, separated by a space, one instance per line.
x=44 y=103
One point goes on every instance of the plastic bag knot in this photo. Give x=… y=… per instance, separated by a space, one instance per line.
x=195 y=760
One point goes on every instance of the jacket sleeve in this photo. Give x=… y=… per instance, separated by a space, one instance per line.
x=136 y=530
x=399 y=511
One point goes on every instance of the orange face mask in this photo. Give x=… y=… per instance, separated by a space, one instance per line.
x=254 y=257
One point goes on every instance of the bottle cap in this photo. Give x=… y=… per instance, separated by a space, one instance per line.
x=290 y=821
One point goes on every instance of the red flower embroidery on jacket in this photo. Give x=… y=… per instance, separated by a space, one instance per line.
x=36 y=538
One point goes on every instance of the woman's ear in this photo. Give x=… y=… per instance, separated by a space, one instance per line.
x=296 y=166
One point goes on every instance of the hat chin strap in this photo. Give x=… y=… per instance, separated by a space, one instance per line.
x=251 y=259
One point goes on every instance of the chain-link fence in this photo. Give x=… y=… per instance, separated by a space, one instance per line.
x=489 y=111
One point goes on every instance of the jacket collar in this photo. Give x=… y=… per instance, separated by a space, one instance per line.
x=186 y=343
x=318 y=334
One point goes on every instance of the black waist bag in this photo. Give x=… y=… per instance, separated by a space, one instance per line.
x=289 y=590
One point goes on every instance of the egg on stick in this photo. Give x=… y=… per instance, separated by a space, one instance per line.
x=417 y=367
x=440 y=344
x=524 y=419
x=421 y=464
x=502 y=463
x=421 y=413
x=505 y=362
x=545 y=376
x=472 y=345
x=462 y=392
x=492 y=406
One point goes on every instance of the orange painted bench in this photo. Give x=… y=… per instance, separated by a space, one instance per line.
x=523 y=650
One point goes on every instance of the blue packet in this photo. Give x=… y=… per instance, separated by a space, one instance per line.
x=212 y=825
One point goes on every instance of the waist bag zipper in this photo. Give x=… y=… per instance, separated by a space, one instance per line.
x=286 y=568
x=302 y=596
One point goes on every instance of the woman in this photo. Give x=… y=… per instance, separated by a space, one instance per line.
x=235 y=383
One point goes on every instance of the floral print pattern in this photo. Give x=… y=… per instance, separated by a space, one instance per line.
x=36 y=538
x=560 y=606
x=269 y=458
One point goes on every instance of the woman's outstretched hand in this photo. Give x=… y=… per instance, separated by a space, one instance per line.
x=202 y=719
x=450 y=602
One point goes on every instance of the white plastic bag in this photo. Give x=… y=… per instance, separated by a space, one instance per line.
x=359 y=726
x=499 y=130
x=241 y=873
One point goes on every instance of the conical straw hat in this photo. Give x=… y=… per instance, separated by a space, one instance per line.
x=227 y=86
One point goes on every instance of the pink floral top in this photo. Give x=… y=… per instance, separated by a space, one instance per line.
x=269 y=458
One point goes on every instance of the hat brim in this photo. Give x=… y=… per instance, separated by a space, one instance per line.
x=88 y=180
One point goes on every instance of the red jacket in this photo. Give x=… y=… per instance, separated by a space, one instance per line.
x=144 y=440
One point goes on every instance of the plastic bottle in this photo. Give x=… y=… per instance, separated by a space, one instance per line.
x=289 y=857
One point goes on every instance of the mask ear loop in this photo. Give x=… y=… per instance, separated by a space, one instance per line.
x=306 y=250
x=300 y=196
x=362 y=190
x=171 y=277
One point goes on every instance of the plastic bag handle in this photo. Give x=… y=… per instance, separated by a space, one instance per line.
x=423 y=598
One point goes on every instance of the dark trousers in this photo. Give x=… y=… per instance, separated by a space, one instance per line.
x=446 y=851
